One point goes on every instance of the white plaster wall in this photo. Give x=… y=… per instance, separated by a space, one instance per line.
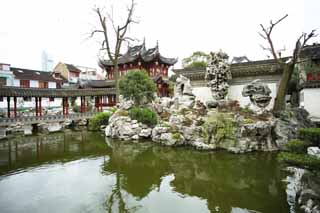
x=34 y=84
x=52 y=85
x=202 y=93
x=9 y=82
x=310 y=100
x=16 y=82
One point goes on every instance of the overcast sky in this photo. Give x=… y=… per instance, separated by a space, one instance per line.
x=62 y=27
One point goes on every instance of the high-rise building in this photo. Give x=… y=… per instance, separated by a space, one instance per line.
x=47 y=62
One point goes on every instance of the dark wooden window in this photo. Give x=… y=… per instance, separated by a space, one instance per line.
x=25 y=83
x=1 y=98
x=43 y=84
x=51 y=99
x=27 y=99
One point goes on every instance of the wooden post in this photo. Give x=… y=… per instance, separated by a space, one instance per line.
x=67 y=106
x=40 y=107
x=36 y=106
x=81 y=104
x=15 y=106
x=100 y=98
x=63 y=107
x=8 y=105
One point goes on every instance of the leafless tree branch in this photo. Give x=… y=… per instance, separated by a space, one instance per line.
x=267 y=36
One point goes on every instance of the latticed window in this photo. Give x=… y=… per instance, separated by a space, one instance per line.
x=43 y=84
x=25 y=83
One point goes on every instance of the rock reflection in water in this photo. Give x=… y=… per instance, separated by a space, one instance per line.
x=80 y=172
x=223 y=180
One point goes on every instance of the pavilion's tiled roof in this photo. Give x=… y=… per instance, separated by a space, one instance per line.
x=311 y=51
x=252 y=68
x=140 y=52
x=97 y=84
x=26 y=74
x=37 y=92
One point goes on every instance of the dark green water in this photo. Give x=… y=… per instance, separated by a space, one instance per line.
x=81 y=172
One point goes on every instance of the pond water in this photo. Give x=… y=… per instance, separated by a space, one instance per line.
x=82 y=172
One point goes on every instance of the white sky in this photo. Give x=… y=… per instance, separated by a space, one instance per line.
x=62 y=27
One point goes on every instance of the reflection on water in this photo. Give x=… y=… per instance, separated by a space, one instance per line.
x=80 y=172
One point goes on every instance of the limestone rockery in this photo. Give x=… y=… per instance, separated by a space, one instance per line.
x=185 y=121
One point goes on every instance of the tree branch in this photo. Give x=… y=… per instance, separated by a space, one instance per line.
x=267 y=36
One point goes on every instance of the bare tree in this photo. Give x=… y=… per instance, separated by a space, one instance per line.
x=120 y=36
x=287 y=67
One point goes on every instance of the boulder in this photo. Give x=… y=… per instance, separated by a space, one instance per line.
x=27 y=130
x=135 y=137
x=258 y=92
x=314 y=151
x=124 y=104
x=145 y=133
x=176 y=120
x=54 y=127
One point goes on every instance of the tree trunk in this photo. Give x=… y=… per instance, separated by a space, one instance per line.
x=279 y=102
x=116 y=72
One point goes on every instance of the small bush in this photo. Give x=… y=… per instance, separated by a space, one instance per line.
x=248 y=121
x=310 y=134
x=297 y=146
x=144 y=115
x=137 y=86
x=76 y=108
x=300 y=160
x=221 y=127
x=176 y=136
x=246 y=109
x=98 y=120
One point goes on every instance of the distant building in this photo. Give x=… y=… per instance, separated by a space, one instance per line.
x=88 y=73
x=69 y=72
x=47 y=62
x=6 y=76
x=73 y=74
x=309 y=70
x=138 y=57
x=26 y=78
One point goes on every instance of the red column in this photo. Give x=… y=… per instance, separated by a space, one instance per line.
x=84 y=104
x=15 y=106
x=81 y=104
x=100 y=98
x=67 y=106
x=36 y=106
x=63 y=111
x=40 y=107
x=8 y=105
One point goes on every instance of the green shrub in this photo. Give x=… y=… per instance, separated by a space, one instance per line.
x=297 y=146
x=76 y=108
x=220 y=126
x=98 y=120
x=144 y=115
x=137 y=86
x=300 y=160
x=310 y=134
x=176 y=136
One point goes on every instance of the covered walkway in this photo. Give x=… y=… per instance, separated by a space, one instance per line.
x=102 y=96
